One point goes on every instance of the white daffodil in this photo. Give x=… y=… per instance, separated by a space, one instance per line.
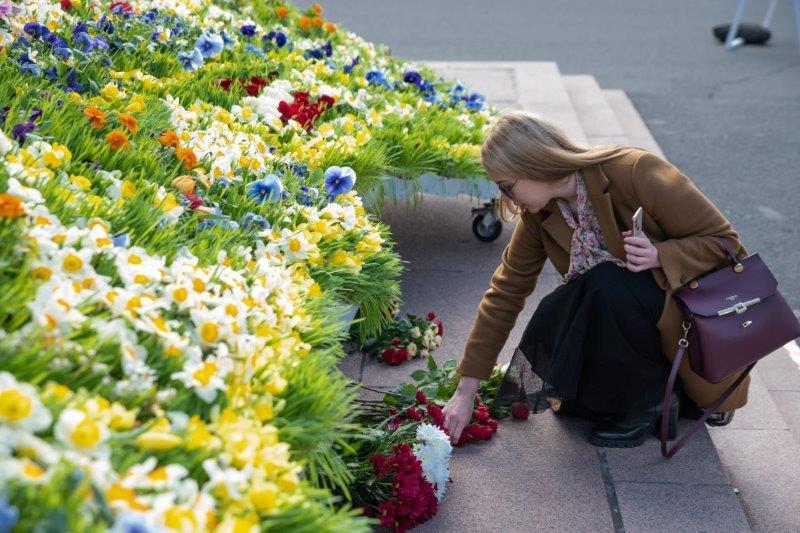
x=205 y=377
x=80 y=432
x=20 y=407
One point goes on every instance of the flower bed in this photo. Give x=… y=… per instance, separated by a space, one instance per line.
x=181 y=233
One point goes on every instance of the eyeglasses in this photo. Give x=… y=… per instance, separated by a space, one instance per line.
x=506 y=189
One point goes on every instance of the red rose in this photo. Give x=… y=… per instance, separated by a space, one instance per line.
x=439 y=327
x=431 y=316
x=420 y=396
x=402 y=353
x=396 y=341
x=520 y=410
x=491 y=423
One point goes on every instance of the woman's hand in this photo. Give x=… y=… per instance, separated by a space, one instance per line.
x=640 y=252
x=458 y=409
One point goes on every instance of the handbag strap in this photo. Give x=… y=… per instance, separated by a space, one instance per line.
x=708 y=410
x=727 y=248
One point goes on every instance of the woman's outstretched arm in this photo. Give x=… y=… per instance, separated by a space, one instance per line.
x=513 y=280
x=687 y=217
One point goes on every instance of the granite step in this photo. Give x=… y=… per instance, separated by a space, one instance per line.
x=535 y=86
x=597 y=118
x=632 y=123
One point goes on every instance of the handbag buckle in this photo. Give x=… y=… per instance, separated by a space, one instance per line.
x=738 y=307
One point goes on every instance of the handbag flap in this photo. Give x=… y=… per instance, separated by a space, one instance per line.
x=725 y=288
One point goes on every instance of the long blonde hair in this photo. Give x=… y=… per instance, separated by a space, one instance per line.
x=524 y=145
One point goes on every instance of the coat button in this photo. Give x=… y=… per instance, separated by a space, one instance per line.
x=694 y=285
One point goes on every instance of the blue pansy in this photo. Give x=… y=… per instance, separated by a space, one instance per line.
x=339 y=180
x=51 y=72
x=279 y=38
x=209 y=44
x=9 y=515
x=191 y=60
x=122 y=240
x=248 y=30
x=268 y=188
x=476 y=101
x=253 y=49
x=72 y=83
x=307 y=195
x=30 y=68
x=376 y=77
x=104 y=24
x=300 y=169
x=128 y=522
x=150 y=16
x=412 y=76
x=254 y=221
x=227 y=40
x=36 y=30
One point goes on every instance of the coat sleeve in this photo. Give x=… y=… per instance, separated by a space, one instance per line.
x=687 y=217
x=513 y=280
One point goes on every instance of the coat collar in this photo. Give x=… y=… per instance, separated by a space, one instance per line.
x=596 y=190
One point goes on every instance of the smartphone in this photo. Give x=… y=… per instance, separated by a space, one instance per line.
x=636 y=223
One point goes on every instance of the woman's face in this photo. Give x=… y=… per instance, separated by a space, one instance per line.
x=530 y=194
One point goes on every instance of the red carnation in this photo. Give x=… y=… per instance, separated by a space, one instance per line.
x=479 y=432
x=520 y=410
x=396 y=341
x=437 y=416
x=420 y=396
x=414 y=413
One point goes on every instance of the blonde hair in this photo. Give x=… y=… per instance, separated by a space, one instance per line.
x=524 y=145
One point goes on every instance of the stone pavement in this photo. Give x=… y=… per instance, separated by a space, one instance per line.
x=543 y=474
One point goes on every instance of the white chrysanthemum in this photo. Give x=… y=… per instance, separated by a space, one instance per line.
x=434 y=451
x=20 y=407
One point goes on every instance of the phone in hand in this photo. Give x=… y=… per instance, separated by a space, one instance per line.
x=636 y=223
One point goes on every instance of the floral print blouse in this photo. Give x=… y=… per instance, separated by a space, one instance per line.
x=587 y=247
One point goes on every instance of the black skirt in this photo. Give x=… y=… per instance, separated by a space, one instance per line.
x=593 y=342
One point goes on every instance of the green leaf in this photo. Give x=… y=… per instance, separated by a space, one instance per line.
x=431 y=363
x=418 y=375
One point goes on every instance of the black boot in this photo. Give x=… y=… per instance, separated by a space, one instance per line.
x=628 y=430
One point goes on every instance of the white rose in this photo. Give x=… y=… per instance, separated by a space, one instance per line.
x=438 y=339
x=424 y=353
x=415 y=332
x=411 y=349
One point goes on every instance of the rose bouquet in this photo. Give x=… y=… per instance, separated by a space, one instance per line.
x=406 y=338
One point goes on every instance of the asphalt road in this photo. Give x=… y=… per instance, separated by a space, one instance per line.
x=729 y=120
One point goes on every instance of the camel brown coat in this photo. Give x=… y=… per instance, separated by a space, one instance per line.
x=678 y=219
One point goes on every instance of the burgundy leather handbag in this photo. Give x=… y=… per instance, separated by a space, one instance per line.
x=733 y=316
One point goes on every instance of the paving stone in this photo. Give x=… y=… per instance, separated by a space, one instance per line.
x=696 y=462
x=779 y=371
x=788 y=403
x=765 y=472
x=351 y=365
x=659 y=507
x=760 y=411
x=536 y=475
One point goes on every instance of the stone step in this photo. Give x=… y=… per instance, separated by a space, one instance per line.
x=534 y=86
x=597 y=118
x=632 y=123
